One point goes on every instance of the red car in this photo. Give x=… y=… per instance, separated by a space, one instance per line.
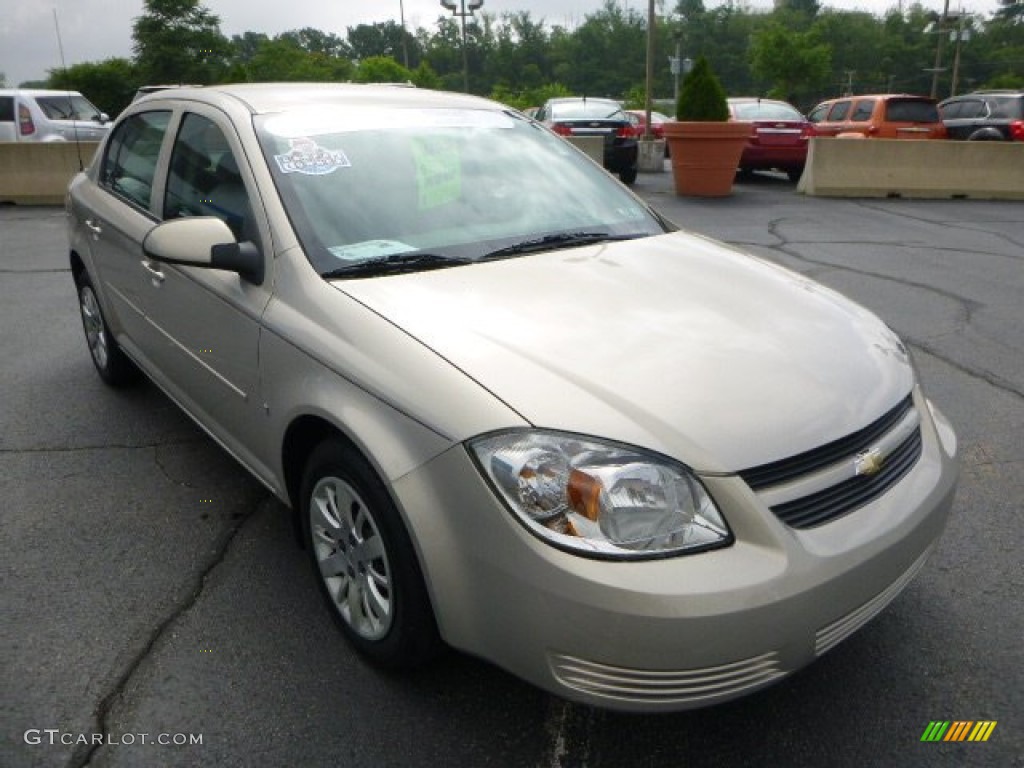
x=779 y=137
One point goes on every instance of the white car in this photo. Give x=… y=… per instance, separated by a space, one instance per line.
x=510 y=407
x=42 y=115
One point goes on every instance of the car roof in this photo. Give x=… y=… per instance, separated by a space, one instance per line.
x=563 y=99
x=263 y=98
x=37 y=92
x=881 y=96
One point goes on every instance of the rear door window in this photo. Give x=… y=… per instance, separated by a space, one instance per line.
x=864 y=110
x=6 y=109
x=839 y=111
x=911 y=111
x=129 y=164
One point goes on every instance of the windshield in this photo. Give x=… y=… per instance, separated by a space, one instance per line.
x=598 y=109
x=765 y=110
x=67 y=107
x=375 y=185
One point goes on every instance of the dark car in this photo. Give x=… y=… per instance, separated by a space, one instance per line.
x=985 y=116
x=596 y=117
x=779 y=137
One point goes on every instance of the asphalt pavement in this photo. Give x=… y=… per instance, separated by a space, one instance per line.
x=153 y=592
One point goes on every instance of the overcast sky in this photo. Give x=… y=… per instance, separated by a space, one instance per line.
x=93 y=30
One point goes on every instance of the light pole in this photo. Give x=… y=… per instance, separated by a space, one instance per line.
x=462 y=10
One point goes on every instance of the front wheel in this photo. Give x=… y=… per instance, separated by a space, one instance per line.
x=364 y=561
x=628 y=175
x=111 y=363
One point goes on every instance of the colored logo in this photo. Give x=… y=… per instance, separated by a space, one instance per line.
x=958 y=730
x=868 y=463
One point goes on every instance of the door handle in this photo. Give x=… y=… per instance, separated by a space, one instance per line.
x=95 y=228
x=154 y=271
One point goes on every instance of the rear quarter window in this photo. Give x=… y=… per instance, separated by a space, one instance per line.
x=6 y=109
x=911 y=111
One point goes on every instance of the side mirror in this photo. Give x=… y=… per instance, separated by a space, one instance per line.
x=206 y=242
x=103 y=118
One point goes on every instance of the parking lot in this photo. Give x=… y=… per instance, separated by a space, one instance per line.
x=151 y=587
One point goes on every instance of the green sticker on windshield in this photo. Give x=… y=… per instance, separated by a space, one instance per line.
x=438 y=171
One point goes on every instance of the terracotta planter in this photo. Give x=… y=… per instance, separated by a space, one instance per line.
x=705 y=156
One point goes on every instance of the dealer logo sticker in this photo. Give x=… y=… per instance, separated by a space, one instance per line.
x=958 y=730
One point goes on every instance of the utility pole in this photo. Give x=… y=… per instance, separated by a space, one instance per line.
x=938 y=51
x=405 y=47
x=650 y=69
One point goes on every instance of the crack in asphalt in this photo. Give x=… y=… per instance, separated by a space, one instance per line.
x=165 y=471
x=101 y=447
x=83 y=756
x=34 y=271
x=967 y=225
x=967 y=306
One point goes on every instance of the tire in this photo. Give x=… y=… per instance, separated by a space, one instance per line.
x=628 y=175
x=794 y=174
x=364 y=561
x=111 y=363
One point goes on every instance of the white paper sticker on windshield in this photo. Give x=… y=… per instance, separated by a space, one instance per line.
x=310 y=159
x=369 y=249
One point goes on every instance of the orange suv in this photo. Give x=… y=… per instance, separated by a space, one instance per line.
x=880 y=116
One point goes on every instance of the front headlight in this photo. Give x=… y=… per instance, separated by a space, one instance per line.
x=600 y=498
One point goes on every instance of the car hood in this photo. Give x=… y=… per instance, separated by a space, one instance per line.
x=675 y=343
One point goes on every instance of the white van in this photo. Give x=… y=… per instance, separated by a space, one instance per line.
x=38 y=115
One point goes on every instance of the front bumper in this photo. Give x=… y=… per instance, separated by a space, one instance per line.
x=676 y=633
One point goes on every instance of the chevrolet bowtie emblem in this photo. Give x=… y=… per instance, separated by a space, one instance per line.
x=868 y=463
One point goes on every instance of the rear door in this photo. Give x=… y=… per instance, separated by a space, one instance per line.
x=116 y=210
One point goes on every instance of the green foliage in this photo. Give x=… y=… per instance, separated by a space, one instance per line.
x=701 y=97
x=179 y=41
x=382 y=69
x=793 y=62
x=797 y=51
x=424 y=77
x=109 y=84
x=284 y=60
x=531 y=97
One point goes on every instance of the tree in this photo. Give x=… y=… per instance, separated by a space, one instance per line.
x=794 y=62
x=282 y=59
x=109 y=84
x=381 y=69
x=179 y=41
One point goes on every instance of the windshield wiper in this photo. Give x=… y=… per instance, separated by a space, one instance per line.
x=395 y=264
x=554 y=242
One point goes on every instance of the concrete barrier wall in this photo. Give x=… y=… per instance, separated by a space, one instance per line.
x=37 y=173
x=985 y=170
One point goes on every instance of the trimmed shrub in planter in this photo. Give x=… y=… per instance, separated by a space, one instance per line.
x=705 y=147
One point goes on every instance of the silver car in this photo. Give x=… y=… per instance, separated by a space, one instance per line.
x=513 y=410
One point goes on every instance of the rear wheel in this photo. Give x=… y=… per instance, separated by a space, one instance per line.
x=794 y=174
x=364 y=561
x=111 y=363
x=628 y=175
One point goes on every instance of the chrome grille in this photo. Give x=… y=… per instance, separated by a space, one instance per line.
x=690 y=686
